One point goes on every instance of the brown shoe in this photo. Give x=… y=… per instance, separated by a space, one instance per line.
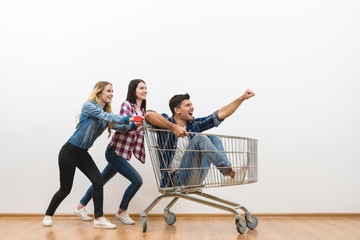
x=230 y=173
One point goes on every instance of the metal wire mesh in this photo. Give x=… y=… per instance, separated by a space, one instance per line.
x=240 y=152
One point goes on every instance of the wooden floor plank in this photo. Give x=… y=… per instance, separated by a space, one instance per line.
x=185 y=228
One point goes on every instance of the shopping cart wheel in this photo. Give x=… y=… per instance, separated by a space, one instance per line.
x=251 y=225
x=144 y=223
x=241 y=228
x=172 y=218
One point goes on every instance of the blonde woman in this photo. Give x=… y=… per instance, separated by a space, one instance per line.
x=95 y=117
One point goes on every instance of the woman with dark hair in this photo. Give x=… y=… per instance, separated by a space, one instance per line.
x=95 y=117
x=119 y=152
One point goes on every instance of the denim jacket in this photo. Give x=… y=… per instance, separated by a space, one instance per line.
x=93 y=122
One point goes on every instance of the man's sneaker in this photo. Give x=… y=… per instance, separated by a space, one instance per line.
x=82 y=214
x=47 y=221
x=103 y=223
x=124 y=217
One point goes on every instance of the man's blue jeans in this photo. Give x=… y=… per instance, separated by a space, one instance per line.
x=122 y=166
x=195 y=163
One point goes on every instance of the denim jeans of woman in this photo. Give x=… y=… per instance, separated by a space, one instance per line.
x=122 y=166
x=71 y=157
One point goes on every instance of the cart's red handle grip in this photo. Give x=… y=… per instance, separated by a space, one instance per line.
x=138 y=118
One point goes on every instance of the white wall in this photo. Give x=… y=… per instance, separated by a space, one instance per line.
x=301 y=58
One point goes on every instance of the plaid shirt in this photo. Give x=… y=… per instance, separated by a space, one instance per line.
x=167 y=140
x=126 y=143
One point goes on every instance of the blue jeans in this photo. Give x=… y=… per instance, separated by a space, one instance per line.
x=116 y=164
x=195 y=163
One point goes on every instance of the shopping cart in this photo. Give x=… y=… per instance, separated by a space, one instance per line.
x=240 y=151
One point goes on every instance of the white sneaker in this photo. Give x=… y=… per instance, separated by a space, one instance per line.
x=103 y=223
x=47 y=221
x=124 y=217
x=82 y=214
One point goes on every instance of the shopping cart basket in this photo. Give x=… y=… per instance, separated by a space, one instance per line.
x=241 y=152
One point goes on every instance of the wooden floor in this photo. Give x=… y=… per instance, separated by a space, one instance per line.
x=185 y=228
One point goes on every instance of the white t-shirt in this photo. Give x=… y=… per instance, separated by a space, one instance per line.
x=182 y=144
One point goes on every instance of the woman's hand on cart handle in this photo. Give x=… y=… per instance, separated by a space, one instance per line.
x=139 y=124
x=138 y=121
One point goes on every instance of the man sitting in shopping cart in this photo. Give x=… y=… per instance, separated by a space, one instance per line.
x=186 y=158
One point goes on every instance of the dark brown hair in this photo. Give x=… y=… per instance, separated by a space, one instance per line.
x=176 y=101
x=131 y=94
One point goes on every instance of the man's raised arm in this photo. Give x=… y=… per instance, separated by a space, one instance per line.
x=229 y=109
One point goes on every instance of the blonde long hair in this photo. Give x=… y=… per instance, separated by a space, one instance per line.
x=94 y=96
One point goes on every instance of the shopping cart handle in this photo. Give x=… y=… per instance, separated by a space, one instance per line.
x=138 y=118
